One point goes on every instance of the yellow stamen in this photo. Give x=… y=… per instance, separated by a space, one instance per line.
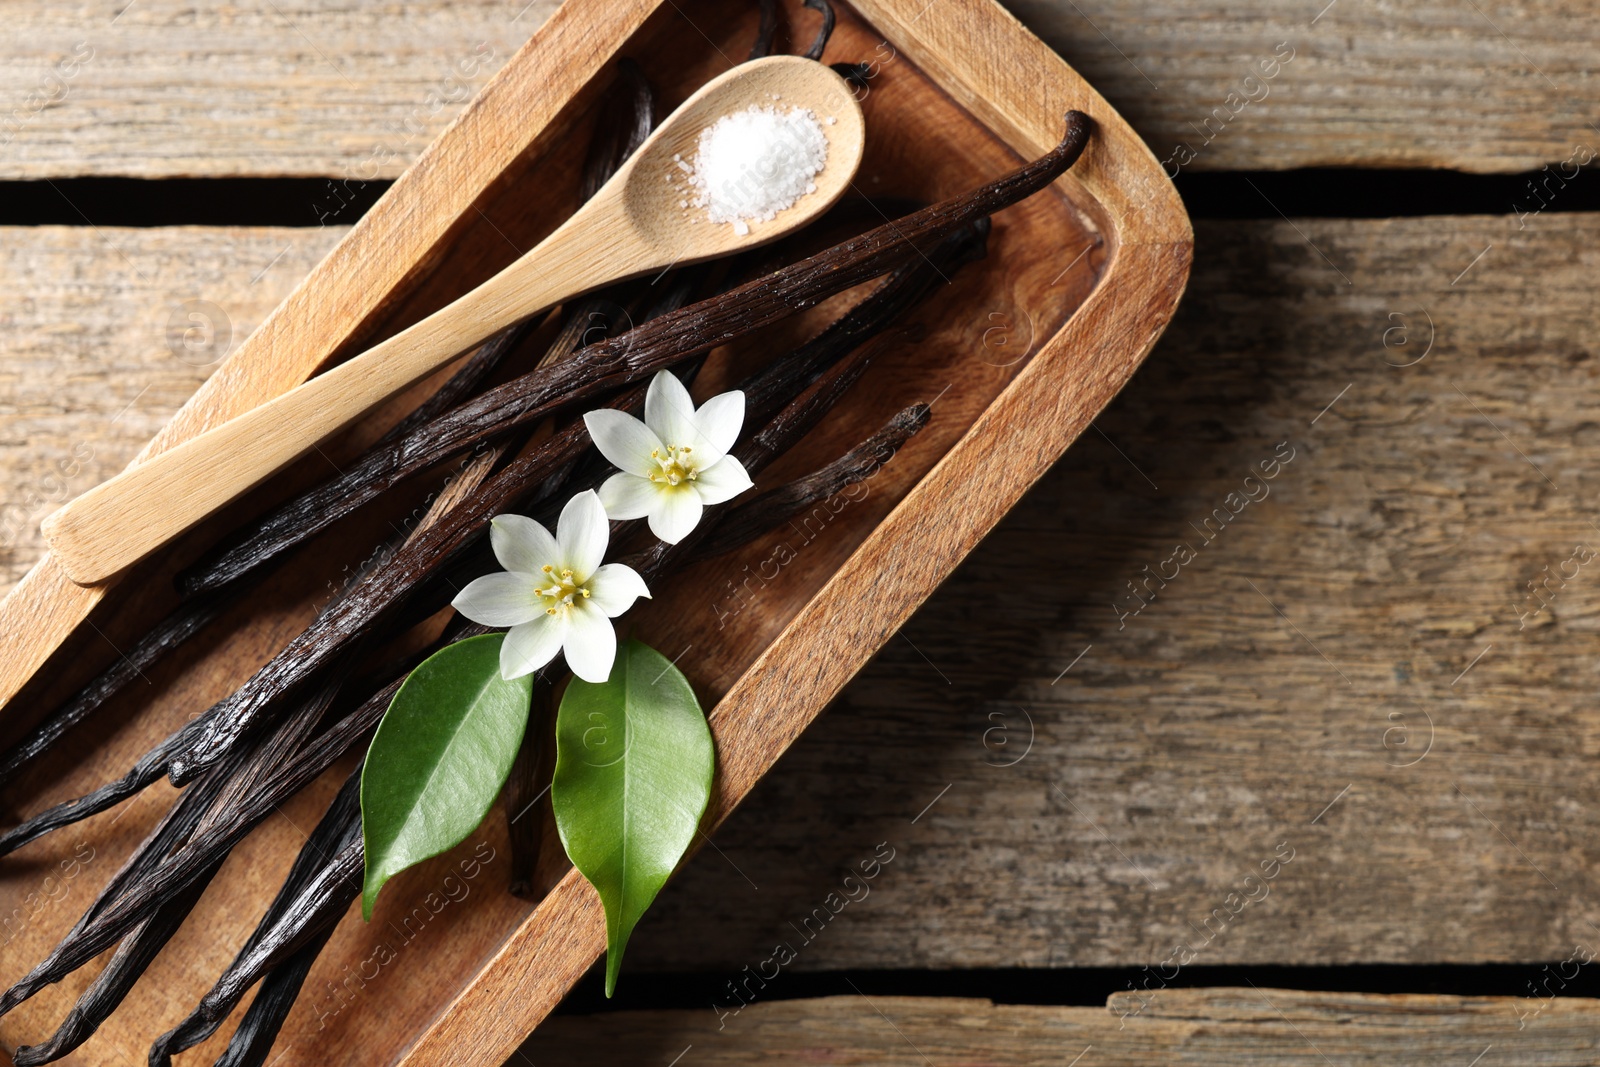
x=675 y=466
x=562 y=593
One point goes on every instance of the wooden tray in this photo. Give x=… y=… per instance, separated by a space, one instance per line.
x=1019 y=354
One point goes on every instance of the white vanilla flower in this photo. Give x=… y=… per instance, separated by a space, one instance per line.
x=554 y=593
x=674 y=462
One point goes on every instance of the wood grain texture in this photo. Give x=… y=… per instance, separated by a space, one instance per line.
x=355 y=91
x=106 y=333
x=1469 y=86
x=1098 y=261
x=158 y=88
x=1191 y=739
x=1196 y=1027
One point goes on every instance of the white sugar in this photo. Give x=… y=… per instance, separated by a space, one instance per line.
x=755 y=163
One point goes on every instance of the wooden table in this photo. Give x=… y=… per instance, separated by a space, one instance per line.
x=1165 y=676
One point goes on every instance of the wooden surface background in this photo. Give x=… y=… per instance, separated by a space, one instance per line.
x=158 y=88
x=1350 y=670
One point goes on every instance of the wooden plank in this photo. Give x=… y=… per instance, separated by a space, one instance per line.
x=1172 y=756
x=106 y=333
x=1263 y=85
x=1197 y=1027
x=156 y=89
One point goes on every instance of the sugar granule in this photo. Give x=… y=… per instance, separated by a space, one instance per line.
x=752 y=164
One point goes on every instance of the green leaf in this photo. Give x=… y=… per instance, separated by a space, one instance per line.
x=633 y=774
x=439 y=758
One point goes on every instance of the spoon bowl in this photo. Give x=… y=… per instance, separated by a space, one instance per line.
x=639 y=222
x=653 y=204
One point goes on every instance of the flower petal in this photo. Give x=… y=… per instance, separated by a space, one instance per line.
x=628 y=496
x=669 y=412
x=590 y=643
x=722 y=482
x=530 y=646
x=521 y=544
x=582 y=533
x=719 y=420
x=500 y=599
x=675 y=514
x=614 y=587
x=623 y=440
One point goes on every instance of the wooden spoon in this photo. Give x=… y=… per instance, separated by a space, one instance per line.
x=632 y=226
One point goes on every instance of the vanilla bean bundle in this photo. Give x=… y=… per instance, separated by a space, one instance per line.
x=625 y=121
x=803 y=385
x=197 y=856
x=324 y=880
x=588 y=318
x=105 y=925
x=597 y=370
x=381 y=593
x=146 y=939
x=401 y=456
x=230 y=740
x=184 y=622
x=286 y=943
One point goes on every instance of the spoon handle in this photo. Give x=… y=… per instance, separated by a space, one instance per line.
x=121 y=521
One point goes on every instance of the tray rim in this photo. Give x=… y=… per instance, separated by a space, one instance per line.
x=993 y=67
